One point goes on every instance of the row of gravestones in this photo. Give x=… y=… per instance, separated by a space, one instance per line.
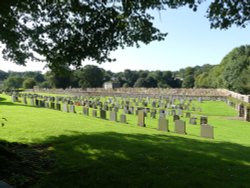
x=180 y=126
x=103 y=115
x=127 y=110
x=206 y=131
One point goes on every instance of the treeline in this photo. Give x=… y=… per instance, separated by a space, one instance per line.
x=232 y=73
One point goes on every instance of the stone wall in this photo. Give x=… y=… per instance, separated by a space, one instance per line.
x=149 y=91
x=244 y=98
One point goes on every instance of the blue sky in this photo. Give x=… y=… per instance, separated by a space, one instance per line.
x=190 y=42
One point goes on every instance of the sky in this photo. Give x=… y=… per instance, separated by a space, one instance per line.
x=189 y=42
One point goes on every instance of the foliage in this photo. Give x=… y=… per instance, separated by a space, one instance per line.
x=68 y=32
x=29 y=83
x=89 y=76
x=13 y=82
x=232 y=73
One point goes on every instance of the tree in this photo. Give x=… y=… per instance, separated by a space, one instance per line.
x=90 y=76
x=68 y=32
x=58 y=79
x=188 y=81
x=130 y=77
x=234 y=68
x=140 y=82
x=3 y=75
x=29 y=83
x=13 y=82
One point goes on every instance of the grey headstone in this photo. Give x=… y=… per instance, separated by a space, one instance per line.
x=123 y=118
x=52 y=105
x=37 y=102
x=42 y=103
x=94 y=113
x=163 y=124
x=153 y=114
x=32 y=102
x=102 y=114
x=207 y=131
x=86 y=111
x=180 y=127
x=203 y=120
x=180 y=112
x=72 y=108
x=113 y=116
x=193 y=121
x=141 y=118
x=58 y=106
x=46 y=104
x=24 y=100
x=176 y=117
x=65 y=107
x=173 y=112
x=188 y=114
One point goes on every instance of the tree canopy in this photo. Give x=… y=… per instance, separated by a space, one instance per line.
x=68 y=32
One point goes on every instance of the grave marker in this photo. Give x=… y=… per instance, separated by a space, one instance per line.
x=203 y=120
x=207 y=131
x=123 y=118
x=113 y=116
x=141 y=118
x=163 y=124
x=102 y=114
x=180 y=127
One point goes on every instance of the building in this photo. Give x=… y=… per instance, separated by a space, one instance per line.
x=111 y=85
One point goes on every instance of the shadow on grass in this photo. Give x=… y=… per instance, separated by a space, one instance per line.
x=137 y=160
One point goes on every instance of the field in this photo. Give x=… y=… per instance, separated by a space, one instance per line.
x=59 y=149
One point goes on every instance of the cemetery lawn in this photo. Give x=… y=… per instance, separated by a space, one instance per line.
x=49 y=148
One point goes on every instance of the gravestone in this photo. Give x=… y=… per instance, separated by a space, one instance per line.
x=180 y=112
x=42 y=104
x=32 y=101
x=58 y=106
x=131 y=110
x=247 y=113
x=102 y=114
x=52 y=105
x=162 y=115
x=163 y=125
x=123 y=118
x=193 y=121
x=203 y=120
x=141 y=118
x=173 y=112
x=207 y=131
x=65 y=107
x=188 y=114
x=46 y=104
x=24 y=100
x=180 y=127
x=14 y=98
x=153 y=114
x=72 y=108
x=112 y=116
x=176 y=117
x=86 y=111
x=37 y=102
x=94 y=113
x=241 y=110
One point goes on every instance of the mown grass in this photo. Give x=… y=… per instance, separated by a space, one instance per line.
x=90 y=152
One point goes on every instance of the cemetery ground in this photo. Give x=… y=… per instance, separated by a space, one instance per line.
x=50 y=148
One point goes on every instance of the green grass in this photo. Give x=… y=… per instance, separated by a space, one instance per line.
x=90 y=152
